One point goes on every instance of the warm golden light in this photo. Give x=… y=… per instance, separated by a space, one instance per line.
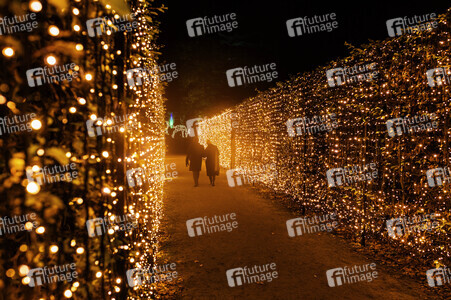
x=23 y=270
x=53 y=30
x=35 y=6
x=33 y=188
x=67 y=294
x=36 y=124
x=54 y=249
x=51 y=60
x=8 y=51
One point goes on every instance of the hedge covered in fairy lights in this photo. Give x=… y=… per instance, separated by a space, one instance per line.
x=362 y=108
x=101 y=96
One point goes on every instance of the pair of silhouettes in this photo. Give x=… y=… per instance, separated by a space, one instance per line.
x=194 y=157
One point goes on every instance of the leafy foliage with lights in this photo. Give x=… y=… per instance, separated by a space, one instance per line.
x=59 y=135
x=362 y=110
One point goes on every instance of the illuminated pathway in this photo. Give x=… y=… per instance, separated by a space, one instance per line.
x=261 y=238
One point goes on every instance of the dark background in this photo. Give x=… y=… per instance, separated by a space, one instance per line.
x=261 y=37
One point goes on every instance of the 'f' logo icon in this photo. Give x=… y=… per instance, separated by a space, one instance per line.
x=395 y=27
x=396 y=227
x=134 y=76
x=235 y=77
x=436 y=76
x=95 y=227
x=335 y=77
x=193 y=126
x=335 y=177
x=134 y=173
x=335 y=277
x=95 y=26
x=295 y=26
x=436 y=177
x=35 y=77
x=35 y=175
x=234 y=177
x=293 y=129
x=134 y=277
x=396 y=127
x=235 y=277
x=37 y=277
x=90 y=127
x=294 y=227
x=437 y=277
x=195 y=27
x=195 y=226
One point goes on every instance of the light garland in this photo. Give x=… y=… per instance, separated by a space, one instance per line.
x=362 y=110
x=59 y=135
x=146 y=150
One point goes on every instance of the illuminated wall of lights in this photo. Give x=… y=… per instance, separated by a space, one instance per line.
x=218 y=130
x=362 y=110
x=59 y=135
x=146 y=150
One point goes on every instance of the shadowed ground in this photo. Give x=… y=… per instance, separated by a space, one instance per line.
x=261 y=238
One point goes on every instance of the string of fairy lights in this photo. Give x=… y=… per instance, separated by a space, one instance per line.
x=146 y=150
x=219 y=133
x=362 y=110
x=101 y=188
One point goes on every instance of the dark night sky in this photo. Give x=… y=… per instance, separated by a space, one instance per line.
x=261 y=37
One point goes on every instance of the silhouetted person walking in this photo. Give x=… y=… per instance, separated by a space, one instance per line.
x=212 y=162
x=194 y=159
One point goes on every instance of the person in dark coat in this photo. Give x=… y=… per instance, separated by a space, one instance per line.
x=212 y=162
x=194 y=159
